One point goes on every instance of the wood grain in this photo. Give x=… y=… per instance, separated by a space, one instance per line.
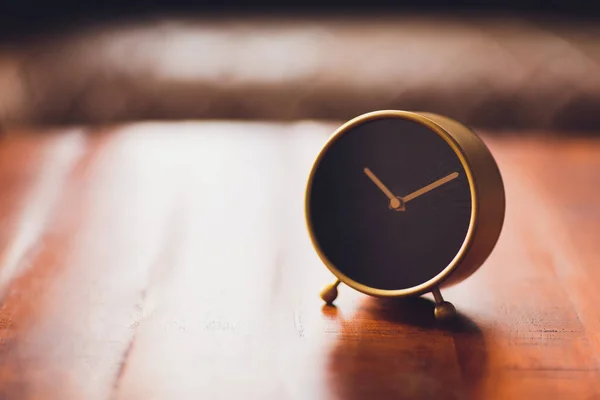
x=171 y=261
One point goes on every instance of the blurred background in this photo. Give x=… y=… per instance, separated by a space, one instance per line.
x=498 y=65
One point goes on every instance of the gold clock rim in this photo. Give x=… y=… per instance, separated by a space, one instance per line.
x=437 y=280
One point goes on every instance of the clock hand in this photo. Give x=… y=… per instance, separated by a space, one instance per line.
x=430 y=187
x=394 y=201
x=379 y=184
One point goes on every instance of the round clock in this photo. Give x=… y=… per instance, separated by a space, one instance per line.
x=403 y=203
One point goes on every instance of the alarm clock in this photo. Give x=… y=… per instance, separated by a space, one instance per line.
x=403 y=203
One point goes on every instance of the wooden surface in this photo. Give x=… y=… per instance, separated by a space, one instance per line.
x=172 y=262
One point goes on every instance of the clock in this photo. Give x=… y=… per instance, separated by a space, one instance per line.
x=402 y=203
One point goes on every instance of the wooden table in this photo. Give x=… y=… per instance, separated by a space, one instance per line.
x=171 y=261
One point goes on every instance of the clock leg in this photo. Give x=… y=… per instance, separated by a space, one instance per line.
x=330 y=292
x=444 y=310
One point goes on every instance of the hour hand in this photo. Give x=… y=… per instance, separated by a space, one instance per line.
x=395 y=202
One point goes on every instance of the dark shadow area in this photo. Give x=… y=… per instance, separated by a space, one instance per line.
x=396 y=349
x=34 y=17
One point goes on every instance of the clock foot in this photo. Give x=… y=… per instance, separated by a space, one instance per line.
x=330 y=292
x=444 y=310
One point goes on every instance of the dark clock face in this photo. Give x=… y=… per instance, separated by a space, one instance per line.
x=390 y=204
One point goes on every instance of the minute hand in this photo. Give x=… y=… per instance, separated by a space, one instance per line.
x=429 y=187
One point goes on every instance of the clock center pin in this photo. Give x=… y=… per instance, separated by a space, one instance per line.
x=397 y=204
